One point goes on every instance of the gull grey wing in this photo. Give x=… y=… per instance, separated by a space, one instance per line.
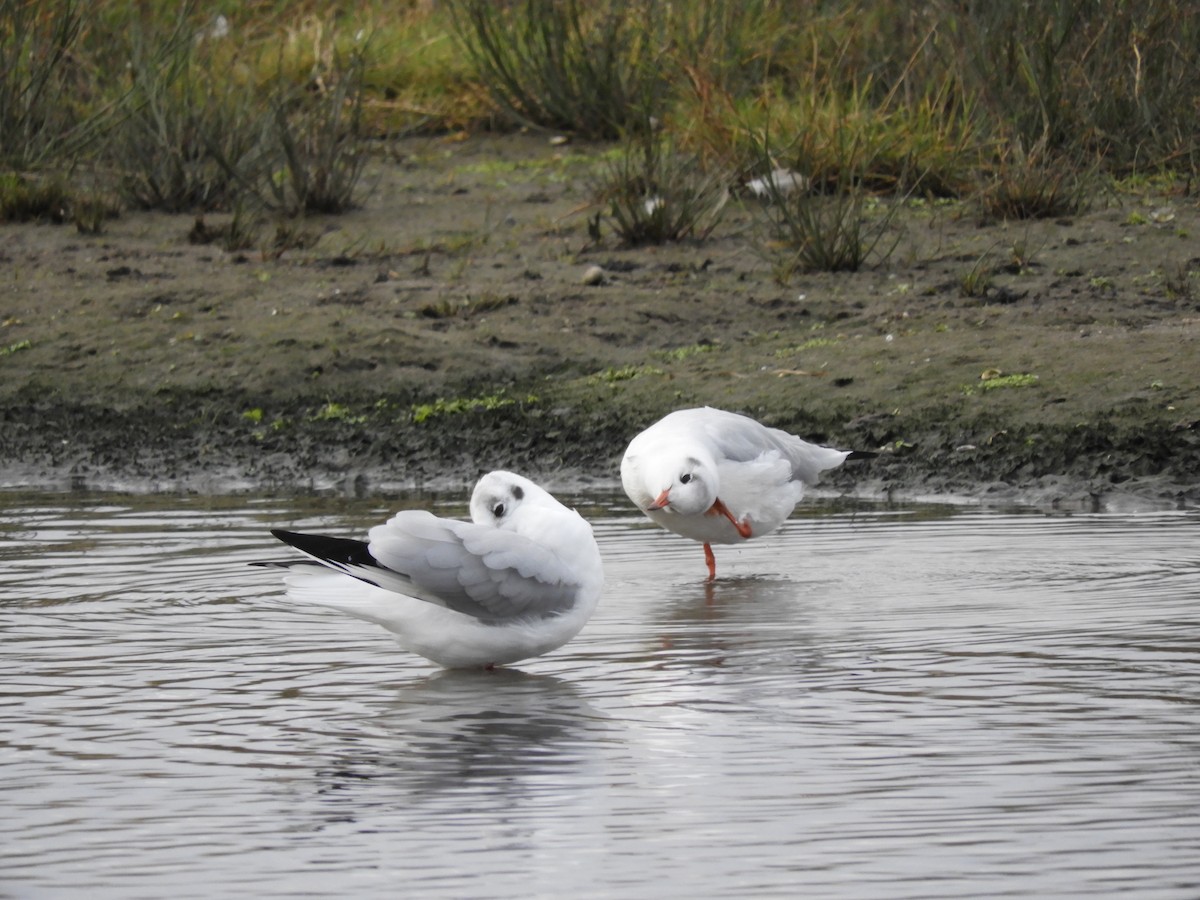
x=483 y=571
x=742 y=439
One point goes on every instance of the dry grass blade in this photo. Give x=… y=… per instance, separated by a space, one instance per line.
x=831 y=224
x=42 y=78
x=186 y=141
x=592 y=68
x=320 y=140
x=654 y=193
x=1032 y=186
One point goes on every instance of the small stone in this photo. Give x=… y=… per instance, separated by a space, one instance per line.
x=593 y=275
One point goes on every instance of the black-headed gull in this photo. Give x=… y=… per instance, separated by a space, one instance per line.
x=719 y=477
x=519 y=580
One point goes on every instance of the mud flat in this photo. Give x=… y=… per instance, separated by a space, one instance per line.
x=447 y=328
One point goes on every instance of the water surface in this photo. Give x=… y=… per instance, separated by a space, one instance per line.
x=919 y=701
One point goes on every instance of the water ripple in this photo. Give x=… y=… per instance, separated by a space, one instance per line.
x=877 y=701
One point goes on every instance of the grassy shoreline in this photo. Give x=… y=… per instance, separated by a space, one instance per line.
x=220 y=107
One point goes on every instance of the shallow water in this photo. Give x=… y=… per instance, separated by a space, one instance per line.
x=915 y=701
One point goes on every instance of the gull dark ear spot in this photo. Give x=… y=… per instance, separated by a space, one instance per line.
x=518 y=492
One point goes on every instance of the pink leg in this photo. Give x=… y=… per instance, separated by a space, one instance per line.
x=720 y=509
x=711 y=560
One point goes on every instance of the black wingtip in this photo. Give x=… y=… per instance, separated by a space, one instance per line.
x=861 y=454
x=345 y=551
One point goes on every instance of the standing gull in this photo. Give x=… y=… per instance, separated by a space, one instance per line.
x=519 y=580
x=719 y=477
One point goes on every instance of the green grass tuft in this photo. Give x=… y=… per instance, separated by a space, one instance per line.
x=459 y=405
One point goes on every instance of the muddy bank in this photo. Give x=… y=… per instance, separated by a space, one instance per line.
x=199 y=445
x=445 y=328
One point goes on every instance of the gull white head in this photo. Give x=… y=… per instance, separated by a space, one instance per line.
x=686 y=485
x=499 y=497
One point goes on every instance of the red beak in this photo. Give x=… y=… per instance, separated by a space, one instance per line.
x=661 y=500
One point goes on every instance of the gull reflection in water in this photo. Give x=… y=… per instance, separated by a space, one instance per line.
x=500 y=736
x=743 y=616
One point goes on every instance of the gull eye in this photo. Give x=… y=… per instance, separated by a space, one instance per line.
x=685 y=477
x=498 y=510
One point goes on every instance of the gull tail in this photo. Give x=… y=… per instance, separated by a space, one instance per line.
x=321 y=580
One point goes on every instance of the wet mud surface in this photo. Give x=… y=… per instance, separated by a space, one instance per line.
x=450 y=326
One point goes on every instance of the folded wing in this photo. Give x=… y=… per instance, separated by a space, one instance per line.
x=489 y=573
x=741 y=439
